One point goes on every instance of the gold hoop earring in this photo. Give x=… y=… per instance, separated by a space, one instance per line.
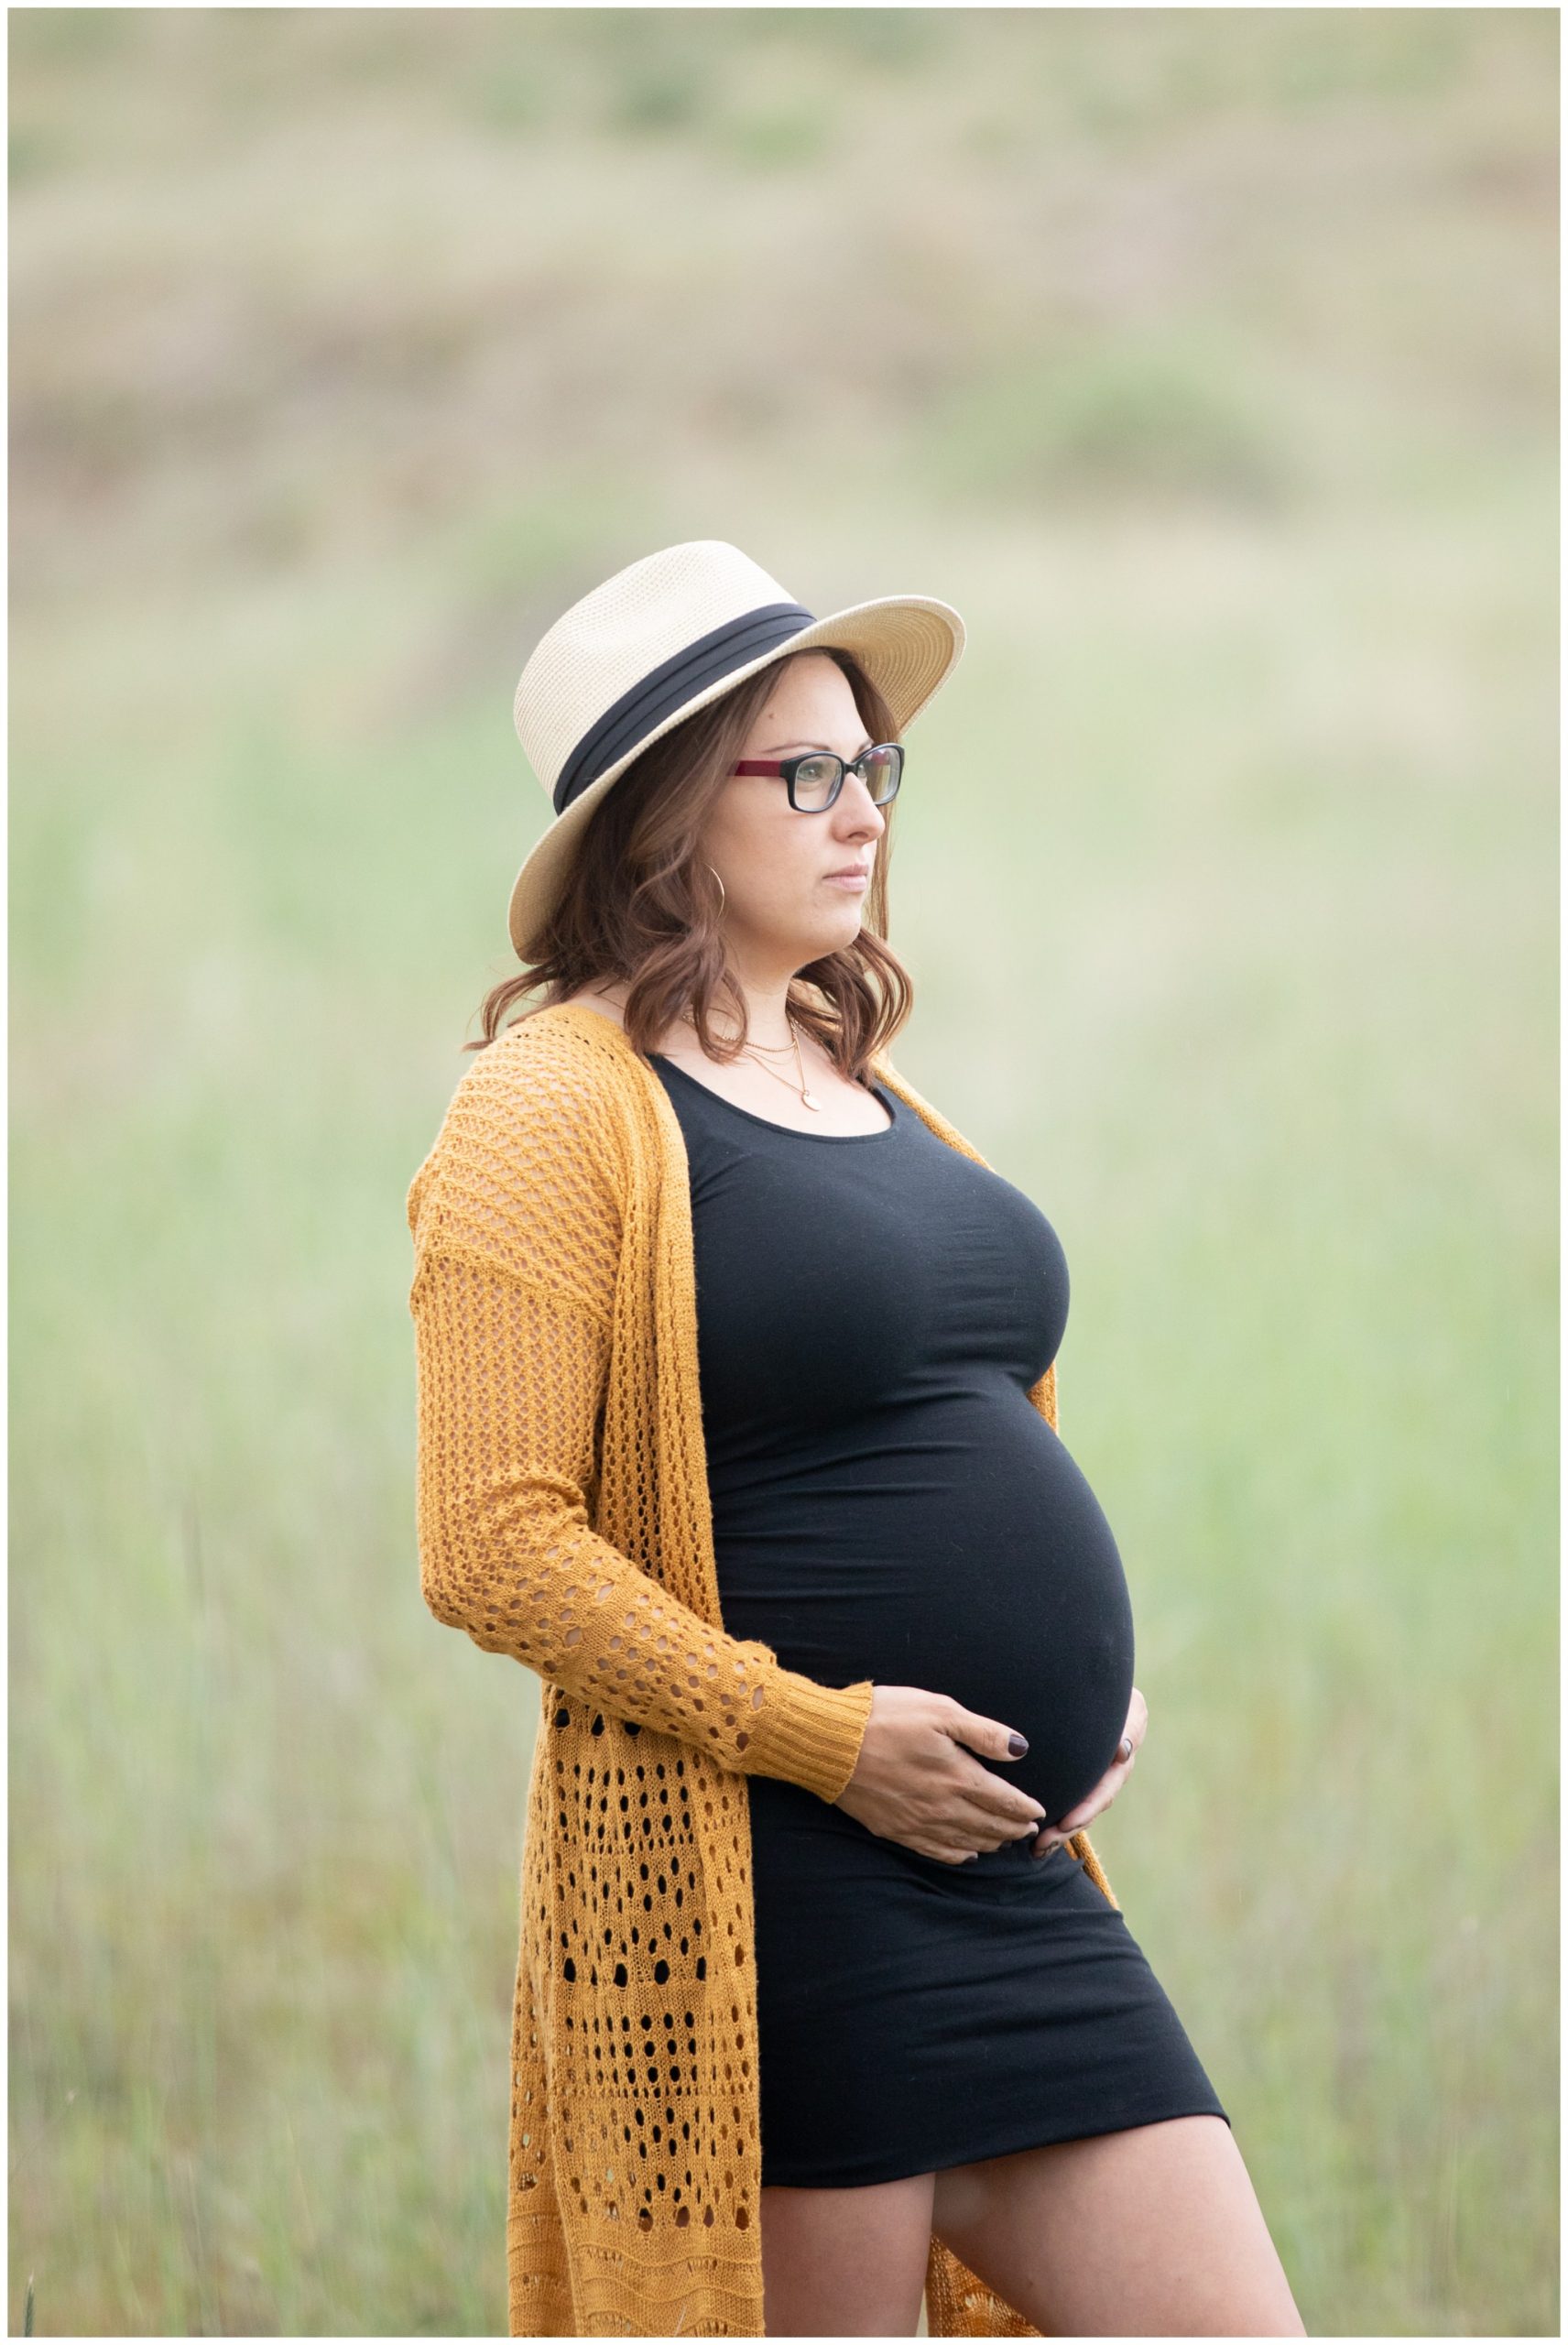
x=723 y=899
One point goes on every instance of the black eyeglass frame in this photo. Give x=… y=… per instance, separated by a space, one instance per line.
x=789 y=766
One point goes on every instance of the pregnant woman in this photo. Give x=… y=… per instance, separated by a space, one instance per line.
x=866 y=1981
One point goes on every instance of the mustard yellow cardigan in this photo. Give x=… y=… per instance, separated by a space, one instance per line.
x=563 y=1518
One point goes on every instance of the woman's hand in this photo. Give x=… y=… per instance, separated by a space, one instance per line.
x=914 y=1781
x=1109 y=1784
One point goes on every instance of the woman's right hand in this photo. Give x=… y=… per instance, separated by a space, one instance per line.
x=915 y=1783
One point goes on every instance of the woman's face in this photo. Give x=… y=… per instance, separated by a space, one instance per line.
x=782 y=908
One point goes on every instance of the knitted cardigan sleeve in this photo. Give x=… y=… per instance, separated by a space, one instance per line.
x=516 y=1216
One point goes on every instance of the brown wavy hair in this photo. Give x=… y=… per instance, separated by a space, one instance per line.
x=641 y=905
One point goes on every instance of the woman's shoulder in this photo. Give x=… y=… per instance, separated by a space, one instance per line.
x=562 y=1052
x=566 y=1035
x=604 y=1001
x=550 y=1099
x=885 y=1072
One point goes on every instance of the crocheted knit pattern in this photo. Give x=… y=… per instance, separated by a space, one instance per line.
x=563 y=1519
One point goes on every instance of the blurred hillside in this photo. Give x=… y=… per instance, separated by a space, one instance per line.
x=303 y=286
x=1207 y=361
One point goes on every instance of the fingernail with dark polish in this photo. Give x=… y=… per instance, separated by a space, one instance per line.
x=1017 y=1745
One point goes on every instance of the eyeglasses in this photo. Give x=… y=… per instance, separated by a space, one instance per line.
x=815 y=780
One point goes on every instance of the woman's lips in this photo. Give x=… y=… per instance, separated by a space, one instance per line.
x=854 y=879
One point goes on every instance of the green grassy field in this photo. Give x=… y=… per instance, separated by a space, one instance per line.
x=1207 y=362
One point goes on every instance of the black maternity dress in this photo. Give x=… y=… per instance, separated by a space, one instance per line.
x=873 y=1309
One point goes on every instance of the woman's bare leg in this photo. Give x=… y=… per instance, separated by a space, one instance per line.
x=846 y=2263
x=1152 y=2231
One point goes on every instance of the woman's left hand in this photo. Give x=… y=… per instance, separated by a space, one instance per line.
x=1108 y=1787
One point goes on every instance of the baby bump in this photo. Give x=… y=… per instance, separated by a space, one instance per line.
x=965 y=1554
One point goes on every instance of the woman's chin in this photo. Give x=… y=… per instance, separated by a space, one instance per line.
x=836 y=933
x=817 y=937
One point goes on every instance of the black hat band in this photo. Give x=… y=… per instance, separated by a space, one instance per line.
x=637 y=712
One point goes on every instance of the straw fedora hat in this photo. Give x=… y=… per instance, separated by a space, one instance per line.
x=660 y=639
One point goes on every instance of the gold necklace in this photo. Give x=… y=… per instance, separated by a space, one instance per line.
x=808 y=1099
x=754 y=1050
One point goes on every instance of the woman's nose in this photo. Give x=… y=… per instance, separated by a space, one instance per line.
x=859 y=806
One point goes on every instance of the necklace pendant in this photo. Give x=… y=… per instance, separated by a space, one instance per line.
x=809 y=1099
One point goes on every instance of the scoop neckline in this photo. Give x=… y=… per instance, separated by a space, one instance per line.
x=792 y=1131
